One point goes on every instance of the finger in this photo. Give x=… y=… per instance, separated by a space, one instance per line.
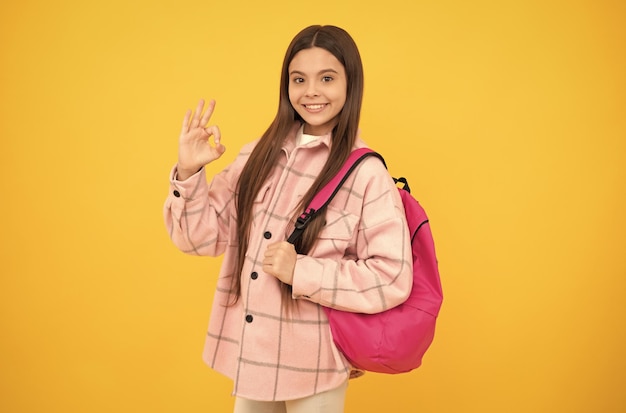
x=268 y=269
x=220 y=149
x=267 y=263
x=196 y=116
x=271 y=249
x=209 y=112
x=185 y=127
x=279 y=247
x=215 y=131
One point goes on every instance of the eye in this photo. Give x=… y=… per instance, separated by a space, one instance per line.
x=297 y=80
x=327 y=78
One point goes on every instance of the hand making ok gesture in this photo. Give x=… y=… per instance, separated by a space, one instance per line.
x=194 y=146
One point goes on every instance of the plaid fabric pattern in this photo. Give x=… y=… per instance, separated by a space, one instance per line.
x=362 y=263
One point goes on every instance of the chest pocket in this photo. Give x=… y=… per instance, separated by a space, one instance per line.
x=263 y=193
x=335 y=237
x=260 y=204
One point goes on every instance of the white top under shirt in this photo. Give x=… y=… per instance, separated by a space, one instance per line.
x=303 y=138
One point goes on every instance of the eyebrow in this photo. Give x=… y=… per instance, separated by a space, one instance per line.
x=319 y=73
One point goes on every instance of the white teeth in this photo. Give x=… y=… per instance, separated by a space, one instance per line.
x=313 y=107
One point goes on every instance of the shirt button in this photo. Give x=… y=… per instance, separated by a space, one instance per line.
x=254 y=275
x=267 y=235
x=176 y=194
x=249 y=318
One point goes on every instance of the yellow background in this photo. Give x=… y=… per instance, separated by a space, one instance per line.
x=507 y=117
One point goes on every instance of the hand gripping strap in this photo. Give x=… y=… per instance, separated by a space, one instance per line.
x=328 y=192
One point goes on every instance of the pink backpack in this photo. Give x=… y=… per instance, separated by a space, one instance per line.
x=393 y=341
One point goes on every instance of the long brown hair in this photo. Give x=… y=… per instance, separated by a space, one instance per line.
x=265 y=155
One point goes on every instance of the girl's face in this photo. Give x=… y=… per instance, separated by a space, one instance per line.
x=317 y=89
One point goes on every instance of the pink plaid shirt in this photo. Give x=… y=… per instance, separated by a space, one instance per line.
x=362 y=263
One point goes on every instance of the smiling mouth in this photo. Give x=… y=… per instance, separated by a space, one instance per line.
x=315 y=107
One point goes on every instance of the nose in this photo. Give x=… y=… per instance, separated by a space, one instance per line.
x=311 y=89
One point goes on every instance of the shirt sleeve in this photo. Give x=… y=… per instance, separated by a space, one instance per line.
x=197 y=214
x=378 y=275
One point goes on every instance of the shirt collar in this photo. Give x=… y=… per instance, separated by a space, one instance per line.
x=296 y=131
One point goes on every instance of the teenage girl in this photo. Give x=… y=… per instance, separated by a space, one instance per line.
x=268 y=331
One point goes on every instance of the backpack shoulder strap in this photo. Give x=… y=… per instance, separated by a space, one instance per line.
x=328 y=192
